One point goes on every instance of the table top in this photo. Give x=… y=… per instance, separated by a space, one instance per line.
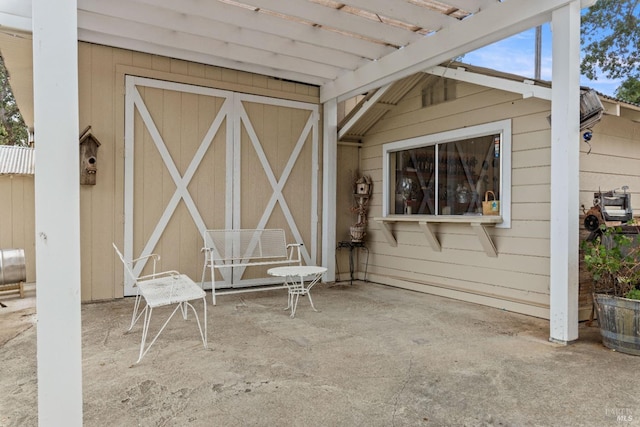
x=296 y=270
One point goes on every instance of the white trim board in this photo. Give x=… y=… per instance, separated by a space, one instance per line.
x=236 y=117
x=503 y=127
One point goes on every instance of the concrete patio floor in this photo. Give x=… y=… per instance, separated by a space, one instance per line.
x=372 y=356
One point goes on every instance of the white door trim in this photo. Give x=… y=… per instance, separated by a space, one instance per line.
x=133 y=101
x=233 y=111
x=277 y=184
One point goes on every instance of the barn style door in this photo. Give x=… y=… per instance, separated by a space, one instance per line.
x=199 y=158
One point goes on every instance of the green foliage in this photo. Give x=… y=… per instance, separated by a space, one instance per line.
x=610 y=32
x=13 y=130
x=629 y=90
x=633 y=294
x=613 y=261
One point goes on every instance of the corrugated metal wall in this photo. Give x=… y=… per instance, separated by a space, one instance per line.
x=16 y=160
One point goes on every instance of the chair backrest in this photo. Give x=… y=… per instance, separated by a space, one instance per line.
x=127 y=265
x=226 y=245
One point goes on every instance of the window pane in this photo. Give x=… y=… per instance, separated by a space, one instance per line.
x=415 y=181
x=452 y=182
x=469 y=169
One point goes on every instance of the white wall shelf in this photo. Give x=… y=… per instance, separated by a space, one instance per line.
x=428 y=224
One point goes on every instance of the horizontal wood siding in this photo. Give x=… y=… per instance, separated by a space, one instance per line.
x=347 y=168
x=614 y=160
x=17 y=218
x=610 y=161
x=518 y=279
x=101 y=91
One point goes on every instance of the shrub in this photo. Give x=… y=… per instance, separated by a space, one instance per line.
x=613 y=259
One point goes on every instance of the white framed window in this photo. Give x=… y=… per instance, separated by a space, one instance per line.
x=450 y=173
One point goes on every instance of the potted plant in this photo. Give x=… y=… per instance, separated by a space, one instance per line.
x=362 y=187
x=613 y=260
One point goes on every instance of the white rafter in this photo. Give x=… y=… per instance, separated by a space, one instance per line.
x=133 y=14
x=268 y=24
x=334 y=18
x=497 y=22
x=405 y=12
x=526 y=89
x=346 y=48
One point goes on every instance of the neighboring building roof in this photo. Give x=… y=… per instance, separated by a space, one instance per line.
x=16 y=160
x=614 y=99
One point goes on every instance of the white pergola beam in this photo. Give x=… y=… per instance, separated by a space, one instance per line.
x=156 y=49
x=57 y=202
x=472 y=6
x=368 y=104
x=220 y=12
x=132 y=14
x=404 y=12
x=189 y=42
x=495 y=23
x=525 y=89
x=15 y=22
x=335 y=19
x=565 y=173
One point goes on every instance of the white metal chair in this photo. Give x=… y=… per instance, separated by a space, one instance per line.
x=160 y=289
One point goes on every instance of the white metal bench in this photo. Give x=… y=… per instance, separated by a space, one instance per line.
x=229 y=249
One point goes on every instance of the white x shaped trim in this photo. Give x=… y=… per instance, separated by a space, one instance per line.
x=182 y=182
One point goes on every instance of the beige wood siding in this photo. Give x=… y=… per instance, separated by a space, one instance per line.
x=347 y=168
x=614 y=160
x=17 y=218
x=518 y=279
x=102 y=73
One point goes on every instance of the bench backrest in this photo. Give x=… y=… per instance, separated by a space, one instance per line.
x=227 y=245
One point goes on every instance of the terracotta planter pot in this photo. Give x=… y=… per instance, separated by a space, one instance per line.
x=619 y=320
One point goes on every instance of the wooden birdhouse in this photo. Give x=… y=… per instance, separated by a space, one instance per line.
x=88 y=157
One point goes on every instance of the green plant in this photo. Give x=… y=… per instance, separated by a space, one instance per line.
x=613 y=260
x=633 y=294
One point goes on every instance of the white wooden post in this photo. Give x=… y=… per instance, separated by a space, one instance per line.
x=57 y=202
x=565 y=173
x=329 y=187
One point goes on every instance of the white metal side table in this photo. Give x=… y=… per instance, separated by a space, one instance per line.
x=294 y=276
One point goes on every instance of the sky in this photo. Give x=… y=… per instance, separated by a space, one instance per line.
x=517 y=55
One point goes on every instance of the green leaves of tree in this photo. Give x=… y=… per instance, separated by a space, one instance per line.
x=611 y=39
x=629 y=90
x=13 y=131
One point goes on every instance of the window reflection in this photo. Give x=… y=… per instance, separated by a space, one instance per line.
x=447 y=179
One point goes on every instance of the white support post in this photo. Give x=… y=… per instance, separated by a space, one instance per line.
x=57 y=201
x=329 y=187
x=565 y=173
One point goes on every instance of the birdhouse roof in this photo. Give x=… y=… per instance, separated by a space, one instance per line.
x=86 y=134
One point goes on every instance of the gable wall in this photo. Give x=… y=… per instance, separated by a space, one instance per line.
x=518 y=279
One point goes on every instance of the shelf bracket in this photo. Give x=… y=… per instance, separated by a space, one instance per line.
x=427 y=224
x=428 y=230
x=485 y=239
x=388 y=234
